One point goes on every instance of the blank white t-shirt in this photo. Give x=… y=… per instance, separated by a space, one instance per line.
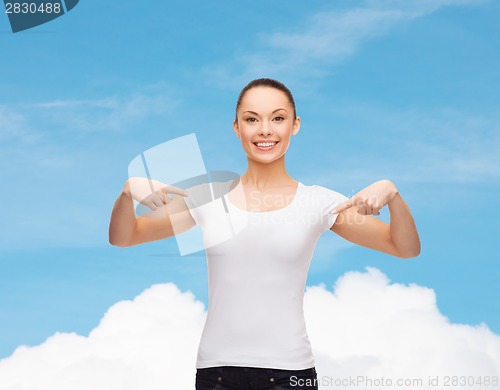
x=257 y=269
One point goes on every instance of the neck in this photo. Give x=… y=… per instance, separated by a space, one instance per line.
x=266 y=175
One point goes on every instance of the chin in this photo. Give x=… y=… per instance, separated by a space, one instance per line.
x=265 y=159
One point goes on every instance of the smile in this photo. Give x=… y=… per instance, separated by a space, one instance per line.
x=265 y=145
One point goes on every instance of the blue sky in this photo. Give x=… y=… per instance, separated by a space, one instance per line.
x=403 y=90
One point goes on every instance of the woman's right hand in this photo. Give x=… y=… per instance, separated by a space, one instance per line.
x=151 y=193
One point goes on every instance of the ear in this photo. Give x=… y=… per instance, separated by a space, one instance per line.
x=236 y=128
x=296 y=126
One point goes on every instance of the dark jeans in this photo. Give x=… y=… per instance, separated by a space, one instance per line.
x=255 y=378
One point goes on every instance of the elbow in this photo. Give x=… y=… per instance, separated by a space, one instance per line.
x=117 y=242
x=410 y=253
x=120 y=245
x=118 y=237
x=407 y=251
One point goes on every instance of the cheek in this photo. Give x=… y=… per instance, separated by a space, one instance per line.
x=246 y=133
x=284 y=133
x=245 y=139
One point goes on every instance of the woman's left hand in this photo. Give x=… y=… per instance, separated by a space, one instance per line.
x=371 y=199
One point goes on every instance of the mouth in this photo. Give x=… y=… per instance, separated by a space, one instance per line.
x=265 y=145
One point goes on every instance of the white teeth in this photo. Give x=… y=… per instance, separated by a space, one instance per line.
x=265 y=144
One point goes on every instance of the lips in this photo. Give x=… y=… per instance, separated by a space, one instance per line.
x=265 y=145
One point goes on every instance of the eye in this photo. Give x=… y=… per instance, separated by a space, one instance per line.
x=251 y=119
x=279 y=119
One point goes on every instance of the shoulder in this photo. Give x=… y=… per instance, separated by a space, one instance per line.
x=206 y=192
x=323 y=194
x=321 y=201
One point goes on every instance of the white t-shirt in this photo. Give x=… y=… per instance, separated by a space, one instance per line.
x=257 y=269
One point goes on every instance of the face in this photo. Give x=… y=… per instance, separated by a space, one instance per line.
x=265 y=124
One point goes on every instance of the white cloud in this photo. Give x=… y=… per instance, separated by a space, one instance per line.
x=14 y=126
x=112 y=113
x=147 y=343
x=370 y=327
x=366 y=327
x=325 y=38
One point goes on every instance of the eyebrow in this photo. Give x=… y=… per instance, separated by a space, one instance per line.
x=278 y=109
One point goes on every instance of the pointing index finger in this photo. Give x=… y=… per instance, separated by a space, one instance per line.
x=344 y=206
x=175 y=190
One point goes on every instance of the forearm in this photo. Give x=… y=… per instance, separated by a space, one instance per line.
x=122 y=223
x=404 y=233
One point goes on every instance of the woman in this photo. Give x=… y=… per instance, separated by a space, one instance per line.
x=255 y=335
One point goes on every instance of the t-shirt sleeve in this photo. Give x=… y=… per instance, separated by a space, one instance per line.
x=328 y=200
x=198 y=196
x=191 y=208
x=202 y=195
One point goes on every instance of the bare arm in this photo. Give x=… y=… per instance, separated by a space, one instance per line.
x=404 y=232
x=165 y=220
x=355 y=224
x=123 y=220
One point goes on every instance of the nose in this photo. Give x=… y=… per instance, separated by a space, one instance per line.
x=265 y=129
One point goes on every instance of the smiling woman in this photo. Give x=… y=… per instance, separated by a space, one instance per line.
x=255 y=333
x=266 y=118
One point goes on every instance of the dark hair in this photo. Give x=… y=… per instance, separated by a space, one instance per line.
x=265 y=82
